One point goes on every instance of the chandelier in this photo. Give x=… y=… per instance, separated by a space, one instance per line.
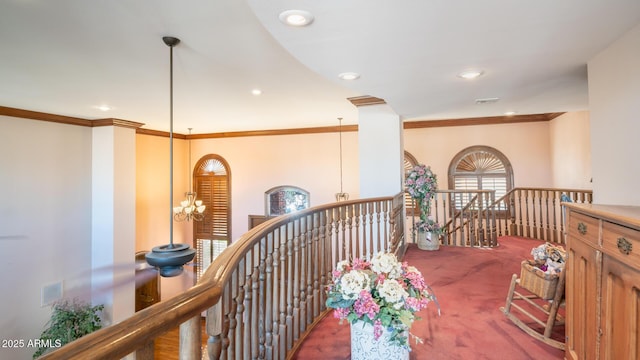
x=341 y=196
x=189 y=208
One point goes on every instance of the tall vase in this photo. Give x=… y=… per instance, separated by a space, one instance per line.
x=428 y=241
x=365 y=347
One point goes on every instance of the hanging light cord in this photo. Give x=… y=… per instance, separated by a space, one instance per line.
x=190 y=185
x=171 y=146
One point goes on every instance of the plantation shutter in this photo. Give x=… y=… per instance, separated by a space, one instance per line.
x=212 y=234
x=480 y=168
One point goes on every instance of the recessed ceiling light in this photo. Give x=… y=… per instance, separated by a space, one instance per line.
x=510 y=113
x=103 y=107
x=349 y=76
x=470 y=74
x=296 y=17
x=256 y=92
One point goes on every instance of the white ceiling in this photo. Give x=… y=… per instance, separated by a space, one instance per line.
x=68 y=56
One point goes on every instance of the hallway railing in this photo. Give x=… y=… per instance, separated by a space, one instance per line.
x=267 y=287
x=476 y=218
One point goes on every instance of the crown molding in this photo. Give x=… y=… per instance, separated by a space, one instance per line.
x=490 y=120
x=361 y=101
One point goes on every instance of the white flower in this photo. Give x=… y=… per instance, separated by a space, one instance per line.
x=386 y=263
x=352 y=283
x=342 y=265
x=392 y=292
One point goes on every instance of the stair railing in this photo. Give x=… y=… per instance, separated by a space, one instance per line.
x=476 y=218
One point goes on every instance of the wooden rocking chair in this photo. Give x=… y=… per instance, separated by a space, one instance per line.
x=548 y=316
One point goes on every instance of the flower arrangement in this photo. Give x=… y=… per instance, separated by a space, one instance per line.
x=421 y=184
x=429 y=225
x=382 y=292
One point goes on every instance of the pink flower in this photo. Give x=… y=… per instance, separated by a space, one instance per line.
x=359 y=264
x=365 y=305
x=341 y=313
x=377 y=329
x=416 y=280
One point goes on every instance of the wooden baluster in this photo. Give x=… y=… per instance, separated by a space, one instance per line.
x=378 y=238
x=283 y=276
x=555 y=203
x=233 y=313
x=352 y=244
x=386 y=241
x=342 y=242
x=293 y=287
x=357 y=208
x=289 y=285
x=547 y=221
x=270 y=289
x=311 y=251
x=369 y=235
x=302 y=278
x=481 y=215
x=541 y=224
x=316 y=265
x=248 y=323
x=260 y=297
x=244 y=285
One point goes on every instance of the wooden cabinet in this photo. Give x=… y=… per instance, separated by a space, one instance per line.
x=603 y=282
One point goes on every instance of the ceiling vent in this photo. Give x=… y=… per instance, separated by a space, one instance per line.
x=487 y=100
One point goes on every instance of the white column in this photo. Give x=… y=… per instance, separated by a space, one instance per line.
x=381 y=148
x=113 y=220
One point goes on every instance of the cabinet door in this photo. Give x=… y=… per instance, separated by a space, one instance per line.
x=583 y=265
x=620 y=304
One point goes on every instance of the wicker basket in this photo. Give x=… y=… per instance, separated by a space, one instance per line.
x=537 y=281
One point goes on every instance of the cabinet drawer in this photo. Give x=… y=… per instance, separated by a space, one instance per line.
x=583 y=227
x=622 y=243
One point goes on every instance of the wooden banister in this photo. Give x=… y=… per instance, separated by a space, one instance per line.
x=264 y=292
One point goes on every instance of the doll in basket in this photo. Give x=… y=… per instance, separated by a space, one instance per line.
x=549 y=258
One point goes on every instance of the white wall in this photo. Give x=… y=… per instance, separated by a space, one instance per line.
x=571 y=151
x=526 y=145
x=614 y=102
x=45 y=221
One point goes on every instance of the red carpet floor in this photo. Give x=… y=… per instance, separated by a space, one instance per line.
x=471 y=285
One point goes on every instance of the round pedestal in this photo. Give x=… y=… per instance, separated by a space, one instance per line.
x=365 y=347
x=428 y=241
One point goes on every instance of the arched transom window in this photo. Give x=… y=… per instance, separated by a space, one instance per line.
x=481 y=168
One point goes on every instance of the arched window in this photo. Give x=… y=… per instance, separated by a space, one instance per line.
x=212 y=183
x=481 y=168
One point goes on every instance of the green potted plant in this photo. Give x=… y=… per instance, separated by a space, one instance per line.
x=69 y=321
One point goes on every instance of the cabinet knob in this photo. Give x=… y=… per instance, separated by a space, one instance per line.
x=582 y=228
x=624 y=246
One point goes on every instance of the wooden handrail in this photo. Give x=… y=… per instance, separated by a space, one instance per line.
x=309 y=243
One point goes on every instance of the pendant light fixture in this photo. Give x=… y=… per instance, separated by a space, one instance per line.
x=189 y=208
x=341 y=196
x=170 y=258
